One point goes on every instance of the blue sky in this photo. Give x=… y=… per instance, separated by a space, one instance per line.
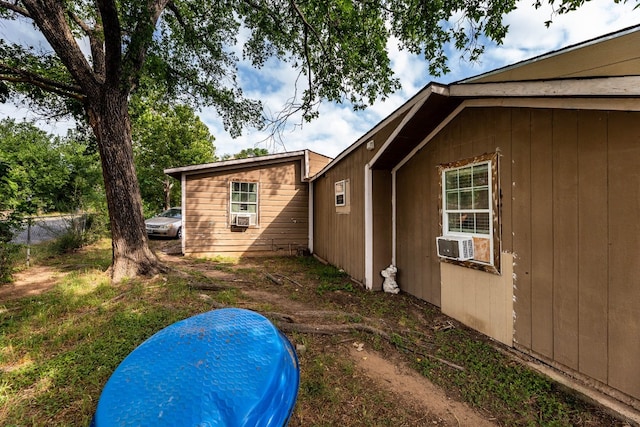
x=338 y=125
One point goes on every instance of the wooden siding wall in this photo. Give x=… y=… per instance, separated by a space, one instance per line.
x=577 y=301
x=382 y=225
x=339 y=237
x=418 y=189
x=317 y=162
x=570 y=192
x=282 y=205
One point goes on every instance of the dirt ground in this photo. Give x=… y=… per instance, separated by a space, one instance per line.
x=385 y=369
x=390 y=374
x=30 y=282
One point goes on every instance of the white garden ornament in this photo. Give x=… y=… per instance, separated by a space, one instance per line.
x=390 y=285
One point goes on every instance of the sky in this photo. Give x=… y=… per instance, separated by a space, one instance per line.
x=338 y=126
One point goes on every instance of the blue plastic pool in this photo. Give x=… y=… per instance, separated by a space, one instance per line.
x=227 y=367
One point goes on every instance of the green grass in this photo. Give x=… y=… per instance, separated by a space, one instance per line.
x=58 y=349
x=497 y=384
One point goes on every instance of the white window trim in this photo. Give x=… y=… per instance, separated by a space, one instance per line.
x=493 y=265
x=234 y=215
x=342 y=193
x=445 y=211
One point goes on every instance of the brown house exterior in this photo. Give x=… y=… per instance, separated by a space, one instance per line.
x=536 y=167
x=245 y=207
x=509 y=200
x=339 y=231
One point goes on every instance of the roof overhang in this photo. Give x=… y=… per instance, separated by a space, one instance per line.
x=591 y=87
x=610 y=55
x=404 y=109
x=443 y=102
x=425 y=116
x=227 y=165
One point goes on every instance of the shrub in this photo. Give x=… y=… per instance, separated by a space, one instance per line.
x=8 y=250
x=8 y=256
x=79 y=231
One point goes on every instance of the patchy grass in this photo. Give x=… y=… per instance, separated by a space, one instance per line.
x=333 y=393
x=58 y=349
x=496 y=384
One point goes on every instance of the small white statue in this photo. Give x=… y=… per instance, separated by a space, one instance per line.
x=390 y=285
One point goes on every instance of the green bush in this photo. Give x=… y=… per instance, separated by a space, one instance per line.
x=79 y=231
x=8 y=250
x=8 y=256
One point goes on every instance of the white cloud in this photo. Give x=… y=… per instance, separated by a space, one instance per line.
x=338 y=126
x=529 y=37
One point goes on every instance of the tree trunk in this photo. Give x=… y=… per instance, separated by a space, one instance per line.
x=109 y=118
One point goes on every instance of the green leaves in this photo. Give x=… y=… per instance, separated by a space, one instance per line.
x=166 y=136
x=40 y=173
x=191 y=49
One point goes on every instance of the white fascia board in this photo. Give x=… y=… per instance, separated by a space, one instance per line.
x=607 y=86
x=394 y=217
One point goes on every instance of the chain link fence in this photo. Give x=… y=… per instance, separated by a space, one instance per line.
x=39 y=229
x=66 y=232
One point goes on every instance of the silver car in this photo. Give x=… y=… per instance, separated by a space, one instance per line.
x=167 y=224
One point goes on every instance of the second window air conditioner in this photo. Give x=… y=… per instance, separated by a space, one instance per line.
x=243 y=221
x=455 y=247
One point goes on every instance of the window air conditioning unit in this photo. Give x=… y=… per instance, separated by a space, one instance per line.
x=455 y=247
x=243 y=220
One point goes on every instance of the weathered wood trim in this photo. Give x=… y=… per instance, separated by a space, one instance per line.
x=609 y=86
x=605 y=104
x=494 y=267
x=588 y=381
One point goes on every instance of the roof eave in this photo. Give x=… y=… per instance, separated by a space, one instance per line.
x=234 y=163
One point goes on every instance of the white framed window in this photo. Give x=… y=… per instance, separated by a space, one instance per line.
x=341 y=193
x=469 y=207
x=467 y=196
x=243 y=206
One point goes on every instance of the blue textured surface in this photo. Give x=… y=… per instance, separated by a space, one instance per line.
x=228 y=367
